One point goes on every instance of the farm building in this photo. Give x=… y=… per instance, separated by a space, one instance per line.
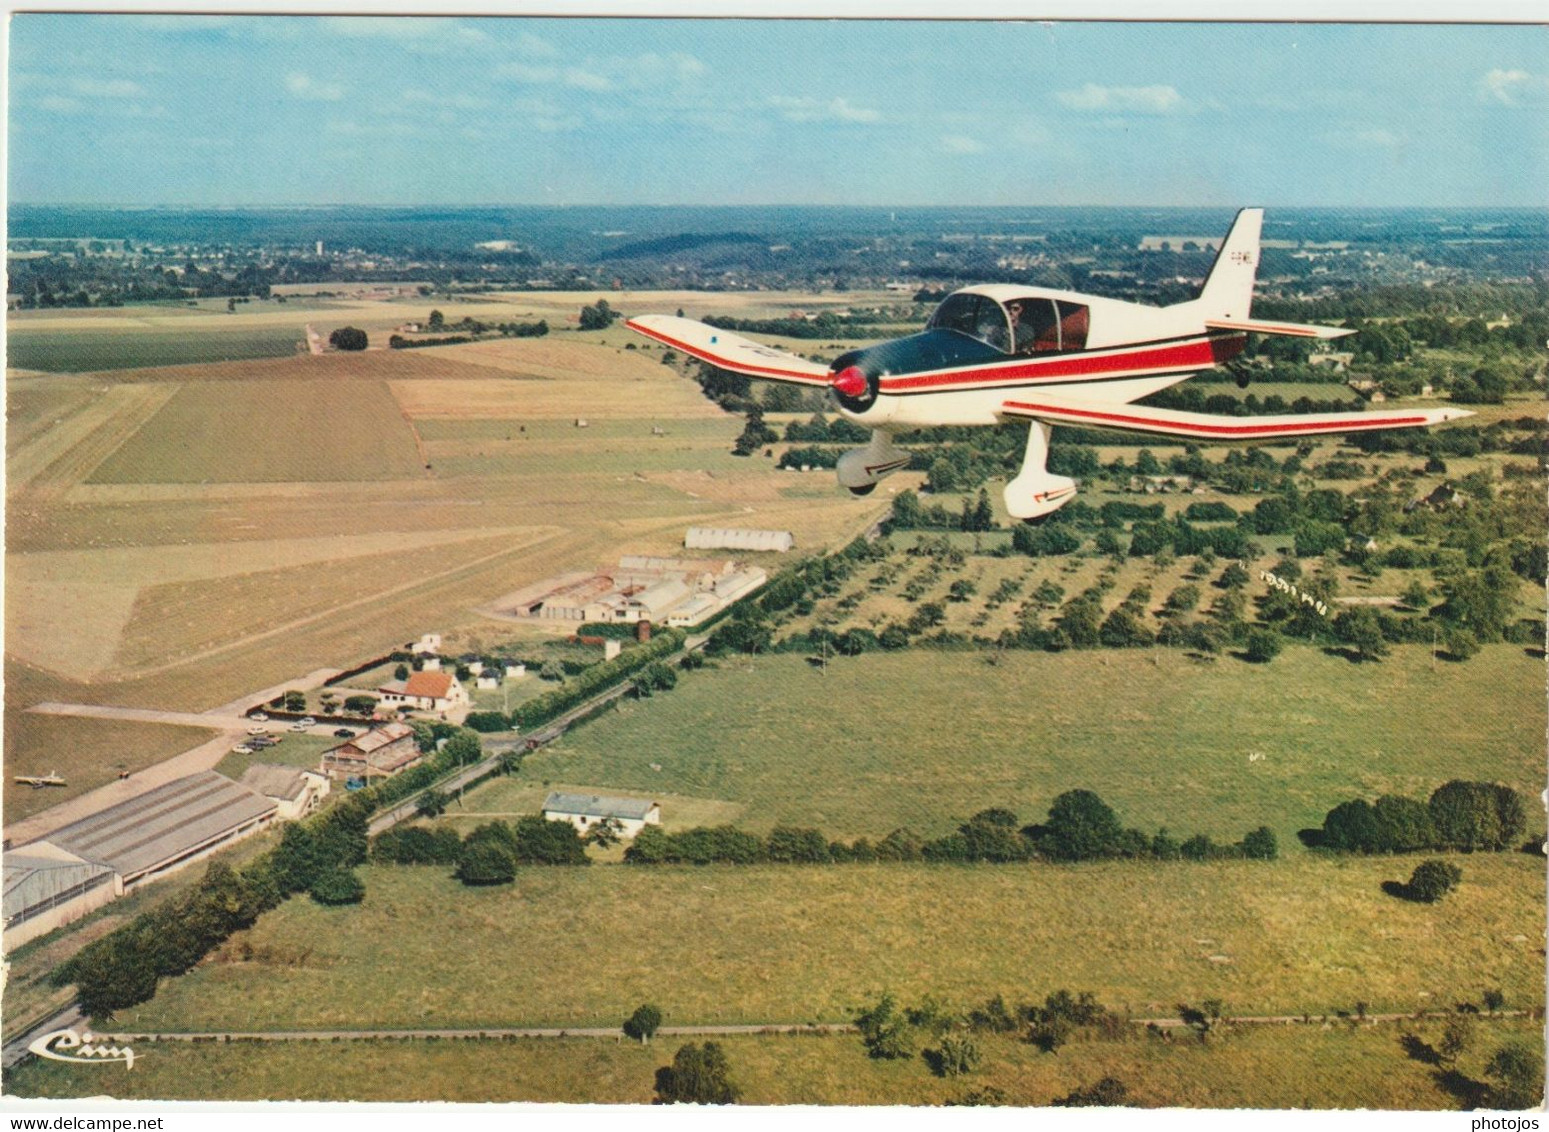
x=693 y=611
x=585 y=810
x=730 y=538
x=425 y=691
x=380 y=753
x=294 y=790
x=163 y=829
x=45 y=887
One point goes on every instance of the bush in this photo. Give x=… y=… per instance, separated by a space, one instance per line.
x=485 y=860
x=1081 y=827
x=1262 y=645
x=1109 y=1092
x=1477 y=815
x=487 y=721
x=416 y=845
x=697 y=1075
x=338 y=886
x=348 y=338
x=1432 y=880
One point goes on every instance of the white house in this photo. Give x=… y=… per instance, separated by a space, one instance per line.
x=425 y=691
x=294 y=790
x=586 y=810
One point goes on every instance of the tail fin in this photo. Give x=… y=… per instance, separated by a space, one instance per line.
x=1228 y=290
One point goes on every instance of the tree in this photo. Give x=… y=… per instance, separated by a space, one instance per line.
x=1432 y=880
x=1494 y=999
x=1457 y=1035
x=1516 y=1074
x=697 y=1075
x=1361 y=629
x=338 y=886
x=605 y=834
x=1262 y=645
x=1352 y=827
x=598 y=317
x=1461 y=644
x=884 y=1029
x=432 y=804
x=295 y=701
x=1260 y=844
x=348 y=338
x=1477 y=815
x=643 y=1023
x=1403 y=824
x=1081 y=826
x=360 y=705
x=955 y=1057
x=961 y=590
x=464 y=747
x=1233 y=577
x=552 y=670
x=436 y=320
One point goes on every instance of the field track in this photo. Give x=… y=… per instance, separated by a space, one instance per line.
x=68 y=453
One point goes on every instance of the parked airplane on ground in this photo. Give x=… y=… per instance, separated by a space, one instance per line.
x=1004 y=352
x=38 y=781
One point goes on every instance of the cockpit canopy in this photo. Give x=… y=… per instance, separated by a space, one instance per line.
x=1019 y=324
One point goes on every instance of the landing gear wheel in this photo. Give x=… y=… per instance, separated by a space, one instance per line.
x=867 y=490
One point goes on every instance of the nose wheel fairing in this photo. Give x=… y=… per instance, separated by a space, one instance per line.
x=861 y=469
x=1036 y=491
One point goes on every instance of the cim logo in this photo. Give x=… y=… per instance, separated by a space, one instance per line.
x=67 y=1045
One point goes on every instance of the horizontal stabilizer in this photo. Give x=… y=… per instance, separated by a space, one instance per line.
x=729 y=351
x=1290 y=329
x=1205 y=426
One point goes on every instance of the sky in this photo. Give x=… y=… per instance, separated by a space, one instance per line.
x=231 y=111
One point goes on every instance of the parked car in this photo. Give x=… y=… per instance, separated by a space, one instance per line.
x=261 y=717
x=258 y=731
x=344 y=733
x=309 y=722
x=242 y=749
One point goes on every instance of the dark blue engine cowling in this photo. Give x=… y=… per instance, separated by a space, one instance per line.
x=918 y=353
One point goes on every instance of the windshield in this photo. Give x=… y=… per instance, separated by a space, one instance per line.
x=975 y=316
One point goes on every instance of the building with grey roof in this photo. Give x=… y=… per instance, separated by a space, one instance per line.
x=586 y=810
x=293 y=789
x=46 y=887
x=167 y=827
x=733 y=538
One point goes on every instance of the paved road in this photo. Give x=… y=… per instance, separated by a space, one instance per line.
x=497 y=1032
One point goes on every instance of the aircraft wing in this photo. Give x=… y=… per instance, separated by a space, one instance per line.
x=729 y=351
x=1205 y=426
x=1290 y=329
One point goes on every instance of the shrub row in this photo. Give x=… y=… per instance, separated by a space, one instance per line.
x=1080 y=827
x=596 y=679
x=1462 y=816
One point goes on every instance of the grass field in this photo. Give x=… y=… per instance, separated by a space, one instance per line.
x=574 y=947
x=305 y=751
x=1171 y=742
x=278 y=431
x=1251 y=1067
x=87 y=753
x=84 y=348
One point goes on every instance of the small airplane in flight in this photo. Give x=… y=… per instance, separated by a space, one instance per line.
x=38 y=781
x=1002 y=352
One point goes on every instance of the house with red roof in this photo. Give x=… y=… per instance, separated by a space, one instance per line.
x=424 y=691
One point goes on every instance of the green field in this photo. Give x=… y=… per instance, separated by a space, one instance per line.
x=1313 y=1067
x=759 y=944
x=1217 y=748
x=90 y=350
x=293 y=750
x=269 y=432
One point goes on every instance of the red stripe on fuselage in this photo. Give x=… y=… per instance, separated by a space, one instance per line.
x=1125 y=420
x=724 y=362
x=1203 y=353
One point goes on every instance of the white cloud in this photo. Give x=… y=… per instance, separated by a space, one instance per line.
x=585 y=80
x=1514 y=88
x=1365 y=139
x=961 y=143
x=448 y=101
x=1123 y=99
x=304 y=86
x=106 y=88
x=545 y=75
x=536 y=46
x=59 y=104
x=807 y=109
